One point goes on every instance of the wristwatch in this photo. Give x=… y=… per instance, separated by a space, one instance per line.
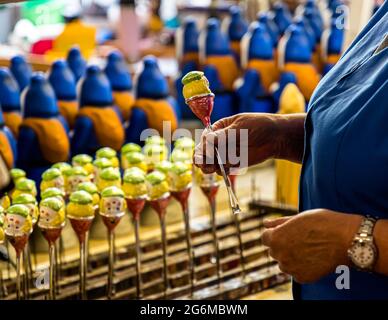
x=363 y=252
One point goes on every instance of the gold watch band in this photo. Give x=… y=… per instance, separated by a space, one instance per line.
x=364 y=239
x=366 y=229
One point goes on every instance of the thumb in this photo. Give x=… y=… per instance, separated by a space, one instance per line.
x=272 y=223
x=223 y=123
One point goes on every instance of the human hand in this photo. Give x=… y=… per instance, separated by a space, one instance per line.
x=311 y=244
x=260 y=144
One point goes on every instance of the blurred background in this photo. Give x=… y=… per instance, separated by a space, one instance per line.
x=62 y=57
x=32 y=26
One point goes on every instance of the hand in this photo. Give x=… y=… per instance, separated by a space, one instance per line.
x=260 y=146
x=312 y=244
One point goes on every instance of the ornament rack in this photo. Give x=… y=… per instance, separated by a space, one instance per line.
x=261 y=271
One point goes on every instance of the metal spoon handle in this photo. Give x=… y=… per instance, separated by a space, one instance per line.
x=18 y=276
x=189 y=246
x=233 y=201
x=139 y=288
x=52 y=290
x=83 y=270
x=111 y=240
x=216 y=244
x=164 y=249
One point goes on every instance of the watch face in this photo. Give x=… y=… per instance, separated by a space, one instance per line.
x=362 y=255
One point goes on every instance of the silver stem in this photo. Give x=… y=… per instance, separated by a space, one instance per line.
x=18 y=280
x=233 y=201
x=111 y=264
x=34 y=257
x=26 y=265
x=53 y=286
x=215 y=240
x=139 y=291
x=240 y=243
x=87 y=250
x=190 y=251
x=82 y=271
x=164 y=248
x=60 y=256
x=9 y=260
x=3 y=287
x=56 y=270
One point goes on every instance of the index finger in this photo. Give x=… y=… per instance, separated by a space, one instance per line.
x=221 y=124
x=266 y=237
x=272 y=223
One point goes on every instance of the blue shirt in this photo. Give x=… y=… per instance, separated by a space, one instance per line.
x=345 y=164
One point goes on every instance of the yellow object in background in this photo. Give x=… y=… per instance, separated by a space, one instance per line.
x=288 y=173
x=13 y=121
x=333 y=58
x=6 y=151
x=109 y=133
x=5 y=202
x=227 y=69
x=267 y=69
x=125 y=101
x=307 y=77
x=68 y=110
x=74 y=33
x=157 y=111
x=155 y=24
x=52 y=137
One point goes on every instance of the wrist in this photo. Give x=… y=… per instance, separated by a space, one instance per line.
x=363 y=252
x=380 y=236
x=289 y=137
x=350 y=229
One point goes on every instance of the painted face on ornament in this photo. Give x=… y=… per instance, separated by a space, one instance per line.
x=74 y=181
x=29 y=202
x=112 y=201
x=47 y=216
x=59 y=183
x=113 y=205
x=75 y=176
x=52 y=178
x=14 y=225
x=32 y=211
